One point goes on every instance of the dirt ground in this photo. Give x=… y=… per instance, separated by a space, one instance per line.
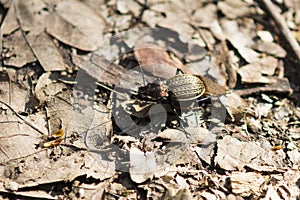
x=149 y=99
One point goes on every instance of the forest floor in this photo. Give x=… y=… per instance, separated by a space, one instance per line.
x=181 y=99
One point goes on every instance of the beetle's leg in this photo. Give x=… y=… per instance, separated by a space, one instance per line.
x=203 y=99
x=178 y=117
x=179 y=71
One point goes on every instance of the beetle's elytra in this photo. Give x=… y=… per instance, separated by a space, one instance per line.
x=183 y=87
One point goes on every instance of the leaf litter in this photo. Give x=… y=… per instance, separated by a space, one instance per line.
x=252 y=153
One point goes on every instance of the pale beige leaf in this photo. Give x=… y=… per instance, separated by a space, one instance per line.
x=16 y=51
x=46 y=52
x=10 y=22
x=77 y=25
x=142 y=165
x=233 y=154
x=234 y=8
x=270 y=48
x=239 y=40
x=245 y=184
x=14 y=94
x=32 y=19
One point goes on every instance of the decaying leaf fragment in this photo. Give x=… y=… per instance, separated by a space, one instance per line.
x=192 y=135
x=233 y=154
x=245 y=184
x=236 y=107
x=239 y=41
x=32 y=18
x=270 y=48
x=260 y=71
x=142 y=165
x=277 y=85
x=234 y=8
x=28 y=25
x=16 y=51
x=155 y=60
x=77 y=25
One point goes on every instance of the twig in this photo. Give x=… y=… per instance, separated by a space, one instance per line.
x=19 y=116
x=48 y=121
x=285 y=31
x=22 y=157
x=112 y=90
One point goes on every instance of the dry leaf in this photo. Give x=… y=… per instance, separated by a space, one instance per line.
x=239 y=40
x=196 y=135
x=16 y=51
x=156 y=60
x=278 y=85
x=234 y=8
x=236 y=107
x=77 y=25
x=265 y=36
x=175 y=18
x=245 y=184
x=31 y=20
x=256 y=71
x=233 y=154
x=98 y=68
x=270 y=48
x=18 y=140
x=142 y=165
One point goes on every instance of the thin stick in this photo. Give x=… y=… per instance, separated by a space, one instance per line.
x=143 y=76
x=280 y=22
x=112 y=90
x=19 y=116
x=48 y=121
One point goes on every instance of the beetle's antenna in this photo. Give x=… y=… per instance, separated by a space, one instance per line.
x=112 y=90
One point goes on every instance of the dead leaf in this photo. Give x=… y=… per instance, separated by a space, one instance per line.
x=239 y=40
x=245 y=184
x=14 y=94
x=16 y=51
x=18 y=140
x=203 y=17
x=294 y=155
x=46 y=88
x=40 y=43
x=142 y=165
x=196 y=135
x=265 y=36
x=39 y=194
x=46 y=52
x=156 y=60
x=233 y=154
x=76 y=24
x=269 y=48
x=234 y=8
x=174 y=17
x=278 y=85
x=98 y=68
x=236 y=107
x=182 y=194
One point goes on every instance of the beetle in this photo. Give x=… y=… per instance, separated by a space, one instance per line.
x=182 y=87
x=176 y=94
